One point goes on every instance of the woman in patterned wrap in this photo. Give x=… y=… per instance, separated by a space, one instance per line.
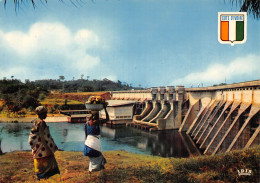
x=92 y=147
x=43 y=147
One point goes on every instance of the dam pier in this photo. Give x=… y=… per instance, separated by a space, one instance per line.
x=218 y=118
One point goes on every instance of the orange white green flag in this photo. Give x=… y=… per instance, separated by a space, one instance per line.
x=232 y=27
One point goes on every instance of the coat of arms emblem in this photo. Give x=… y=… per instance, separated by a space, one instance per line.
x=232 y=27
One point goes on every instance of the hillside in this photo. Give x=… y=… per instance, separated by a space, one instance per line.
x=19 y=99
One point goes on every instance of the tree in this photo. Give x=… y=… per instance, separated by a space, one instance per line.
x=119 y=83
x=27 y=81
x=42 y=96
x=81 y=76
x=249 y=6
x=30 y=101
x=61 y=78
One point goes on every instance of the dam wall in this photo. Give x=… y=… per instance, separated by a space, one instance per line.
x=217 y=118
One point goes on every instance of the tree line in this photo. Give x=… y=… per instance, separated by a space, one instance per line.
x=81 y=85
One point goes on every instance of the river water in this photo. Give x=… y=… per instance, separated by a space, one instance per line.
x=71 y=137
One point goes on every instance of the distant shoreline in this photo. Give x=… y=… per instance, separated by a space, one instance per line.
x=17 y=120
x=31 y=119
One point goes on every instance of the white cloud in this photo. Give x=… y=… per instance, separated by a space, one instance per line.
x=86 y=38
x=85 y=62
x=41 y=36
x=46 y=44
x=218 y=73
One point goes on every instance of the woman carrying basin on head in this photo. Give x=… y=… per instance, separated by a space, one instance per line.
x=92 y=147
x=43 y=147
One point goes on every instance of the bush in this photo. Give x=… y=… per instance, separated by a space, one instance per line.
x=42 y=96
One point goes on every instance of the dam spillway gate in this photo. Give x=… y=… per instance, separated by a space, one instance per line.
x=218 y=119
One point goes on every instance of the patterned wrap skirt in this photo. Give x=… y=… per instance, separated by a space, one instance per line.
x=46 y=167
x=43 y=149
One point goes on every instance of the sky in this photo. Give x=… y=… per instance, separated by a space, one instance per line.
x=144 y=43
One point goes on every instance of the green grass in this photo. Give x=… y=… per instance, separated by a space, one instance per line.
x=129 y=167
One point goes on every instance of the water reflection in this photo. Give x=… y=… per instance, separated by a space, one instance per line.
x=70 y=137
x=65 y=132
x=163 y=143
x=1 y=152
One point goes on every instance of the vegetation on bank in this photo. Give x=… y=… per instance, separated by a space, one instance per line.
x=128 y=167
x=18 y=99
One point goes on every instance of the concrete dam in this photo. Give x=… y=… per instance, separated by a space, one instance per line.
x=217 y=118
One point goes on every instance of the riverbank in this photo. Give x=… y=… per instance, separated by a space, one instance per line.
x=128 y=167
x=17 y=120
x=28 y=119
